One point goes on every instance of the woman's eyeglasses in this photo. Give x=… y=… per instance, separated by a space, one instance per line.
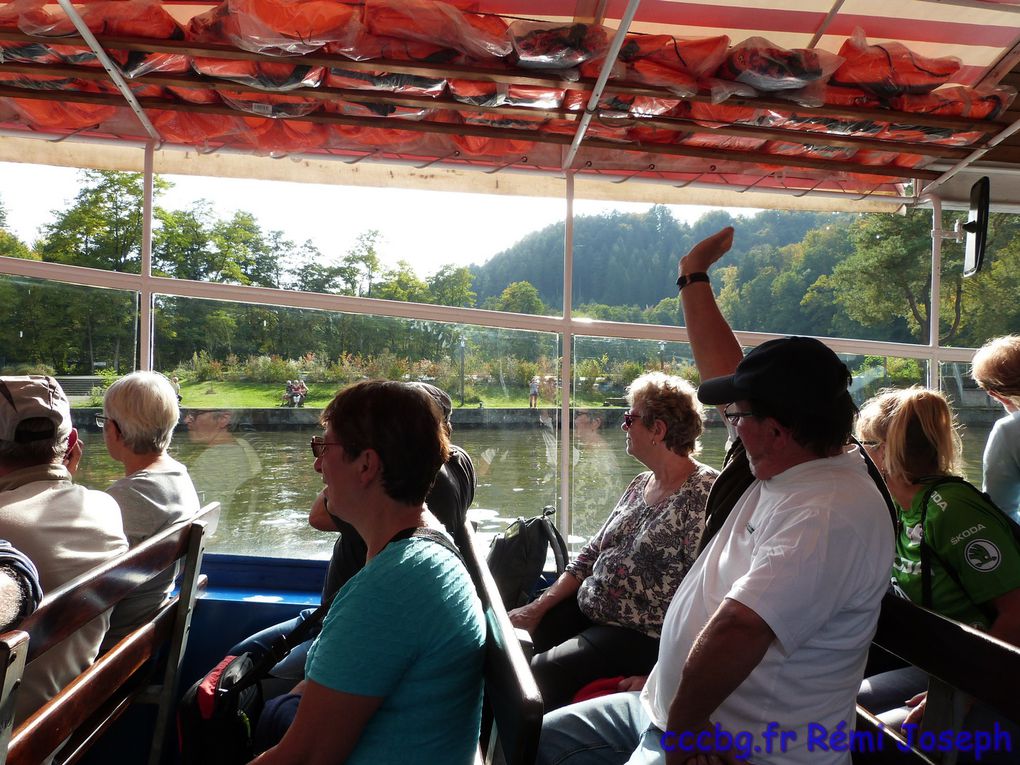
x=318 y=445
x=629 y=418
x=101 y=420
x=733 y=416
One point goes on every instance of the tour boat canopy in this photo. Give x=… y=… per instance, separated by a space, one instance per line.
x=823 y=104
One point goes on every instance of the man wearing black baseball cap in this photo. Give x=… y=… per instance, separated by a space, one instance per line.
x=64 y=529
x=768 y=633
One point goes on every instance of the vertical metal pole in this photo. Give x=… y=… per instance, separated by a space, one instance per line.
x=566 y=366
x=145 y=312
x=935 y=302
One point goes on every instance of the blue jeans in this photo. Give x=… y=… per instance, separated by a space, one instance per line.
x=609 y=730
x=292 y=667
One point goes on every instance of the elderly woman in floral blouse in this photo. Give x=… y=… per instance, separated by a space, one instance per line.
x=603 y=616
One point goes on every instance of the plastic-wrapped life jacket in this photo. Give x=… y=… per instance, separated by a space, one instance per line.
x=386 y=139
x=38 y=81
x=340 y=77
x=548 y=45
x=714 y=115
x=195 y=95
x=195 y=128
x=290 y=27
x=269 y=75
x=942 y=136
x=270 y=105
x=439 y=23
x=497 y=120
x=975 y=103
x=832 y=125
x=274 y=136
x=767 y=67
x=891 y=68
x=847 y=96
x=493 y=94
x=810 y=150
x=33 y=18
x=622 y=103
x=139 y=18
x=723 y=142
x=375 y=109
x=665 y=61
x=62 y=115
x=601 y=127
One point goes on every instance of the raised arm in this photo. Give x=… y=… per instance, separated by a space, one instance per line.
x=716 y=350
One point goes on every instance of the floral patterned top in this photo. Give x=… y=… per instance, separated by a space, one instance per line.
x=631 y=568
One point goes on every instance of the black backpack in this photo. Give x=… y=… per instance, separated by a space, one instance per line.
x=517 y=557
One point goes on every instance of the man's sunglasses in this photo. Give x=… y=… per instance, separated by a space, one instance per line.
x=318 y=445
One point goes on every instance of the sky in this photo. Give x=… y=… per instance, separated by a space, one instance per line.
x=427 y=229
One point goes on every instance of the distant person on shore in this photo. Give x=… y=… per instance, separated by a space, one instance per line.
x=288 y=392
x=603 y=616
x=533 y=394
x=996 y=368
x=176 y=385
x=139 y=416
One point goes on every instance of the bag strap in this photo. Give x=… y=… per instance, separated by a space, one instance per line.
x=876 y=475
x=556 y=542
x=928 y=552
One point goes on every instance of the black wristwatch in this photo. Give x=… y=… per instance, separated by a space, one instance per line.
x=685 y=279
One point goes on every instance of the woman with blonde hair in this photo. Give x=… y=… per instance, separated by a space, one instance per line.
x=996 y=368
x=603 y=616
x=955 y=551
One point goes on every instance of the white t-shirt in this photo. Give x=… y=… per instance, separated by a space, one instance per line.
x=810 y=552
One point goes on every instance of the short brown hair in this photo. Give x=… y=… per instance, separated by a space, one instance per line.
x=996 y=367
x=402 y=424
x=674 y=401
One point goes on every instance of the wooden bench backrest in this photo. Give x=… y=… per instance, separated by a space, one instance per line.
x=512 y=708
x=956 y=655
x=90 y=703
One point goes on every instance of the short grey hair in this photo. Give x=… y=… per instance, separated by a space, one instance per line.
x=144 y=406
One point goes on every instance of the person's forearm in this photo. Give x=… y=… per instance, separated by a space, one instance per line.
x=715 y=348
x=566 y=586
x=729 y=647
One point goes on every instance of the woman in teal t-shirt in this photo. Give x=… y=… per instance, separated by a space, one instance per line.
x=972 y=554
x=395 y=676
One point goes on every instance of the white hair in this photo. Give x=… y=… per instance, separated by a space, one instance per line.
x=144 y=406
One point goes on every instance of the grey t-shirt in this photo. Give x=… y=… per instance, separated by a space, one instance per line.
x=150 y=501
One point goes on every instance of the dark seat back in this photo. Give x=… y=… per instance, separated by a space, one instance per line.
x=512 y=707
x=90 y=703
x=955 y=655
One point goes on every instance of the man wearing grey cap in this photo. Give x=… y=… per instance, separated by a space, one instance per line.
x=766 y=638
x=65 y=529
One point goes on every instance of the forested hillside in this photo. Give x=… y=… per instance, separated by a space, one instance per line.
x=625 y=259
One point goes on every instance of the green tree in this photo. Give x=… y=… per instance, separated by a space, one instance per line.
x=520 y=297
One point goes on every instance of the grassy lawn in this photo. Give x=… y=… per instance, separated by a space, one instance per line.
x=244 y=395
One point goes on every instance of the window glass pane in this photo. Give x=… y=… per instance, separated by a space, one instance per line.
x=602 y=469
x=987 y=301
x=87 y=218
x=976 y=412
x=248 y=450
x=66 y=330
x=395 y=244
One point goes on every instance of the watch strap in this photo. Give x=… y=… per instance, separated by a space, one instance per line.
x=684 y=279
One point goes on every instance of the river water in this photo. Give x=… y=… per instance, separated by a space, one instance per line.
x=266 y=482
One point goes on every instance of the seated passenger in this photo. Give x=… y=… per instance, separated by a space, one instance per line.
x=911 y=435
x=603 y=616
x=20 y=591
x=996 y=368
x=140 y=413
x=396 y=673
x=448 y=500
x=65 y=529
